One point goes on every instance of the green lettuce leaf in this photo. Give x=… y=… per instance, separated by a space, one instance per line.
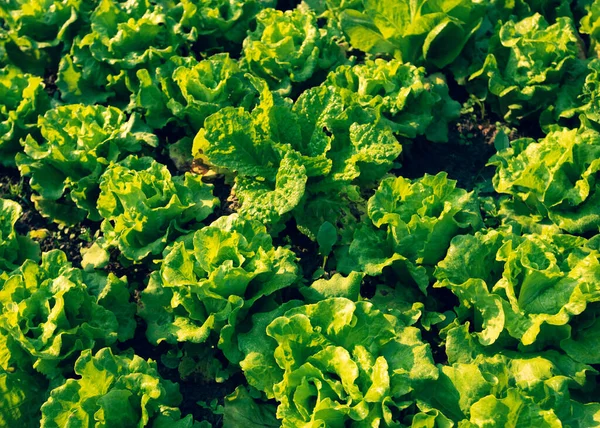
x=497 y=389
x=144 y=207
x=336 y=286
x=268 y=202
x=23 y=100
x=416 y=221
x=590 y=24
x=401 y=95
x=289 y=47
x=21 y=396
x=208 y=290
x=337 y=362
x=325 y=143
x=242 y=410
x=424 y=215
x=215 y=21
x=529 y=62
x=419 y=32
x=78 y=143
x=498 y=13
x=113 y=390
x=14 y=248
x=123 y=37
x=527 y=288
x=186 y=91
x=37 y=32
x=50 y=312
x=555 y=177
x=579 y=98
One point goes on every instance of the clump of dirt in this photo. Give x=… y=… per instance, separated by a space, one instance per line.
x=70 y=239
x=463 y=157
x=471 y=131
x=50 y=83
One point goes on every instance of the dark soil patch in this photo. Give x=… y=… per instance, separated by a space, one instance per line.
x=194 y=392
x=438 y=348
x=137 y=274
x=457 y=92
x=71 y=240
x=287 y=4
x=306 y=250
x=167 y=137
x=50 y=83
x=228 y=203
x=464 y=157
x=368 y=288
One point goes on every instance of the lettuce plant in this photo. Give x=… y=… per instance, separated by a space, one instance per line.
x=581 y=99
x=527 y=64
x=38 y=31
x=414 y=224
x=14 y=248
x=525 y=289
x=186 y=91
x=555 y=177
x=424 y=214
x=215 y=21
x=23 y=99
x=114 y=390
x=325 y=148
x=124 y=37
x=13 y=358
x=78 y=143
x=232 y=264
x=53 y=311
x=22 y=390
x=144 y=207
x=289 y=47
x=336 y=363
x=498 y=13
x=496 y=389
x=206 y=289
x=419 y=32
x=401 y=95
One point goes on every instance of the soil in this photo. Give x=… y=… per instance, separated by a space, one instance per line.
x=463 y=157
x=287 y=4
x=137 y=274
x=228 y=203
x=50 y=84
